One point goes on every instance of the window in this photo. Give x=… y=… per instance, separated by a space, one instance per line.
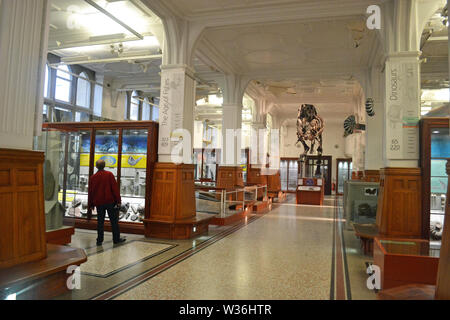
x=83 y=91
x=134 y=106
x=46 y=82
x=98 y=100
x=146 y=110
x=63 y=84
x=155 y=113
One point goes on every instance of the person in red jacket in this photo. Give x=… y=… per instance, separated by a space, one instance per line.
x=104 y=195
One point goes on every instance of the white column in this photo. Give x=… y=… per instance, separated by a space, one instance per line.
x=258 y=148
x=375 y=124
x=176 y=112
x=23 y=52
x=231 y=131
x=402 y=110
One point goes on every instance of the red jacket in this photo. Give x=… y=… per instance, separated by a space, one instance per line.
x=103 y=189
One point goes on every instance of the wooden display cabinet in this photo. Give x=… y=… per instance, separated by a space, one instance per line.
x=120 y=161
x=310 y=191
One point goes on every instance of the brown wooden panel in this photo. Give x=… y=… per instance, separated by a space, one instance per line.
x=22 y=227
x=399 y=203
x=5 y=177
x=29 y=241
x=26 y=177
x=6 y=219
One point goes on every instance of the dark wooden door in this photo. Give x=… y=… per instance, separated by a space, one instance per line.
x=326 y=170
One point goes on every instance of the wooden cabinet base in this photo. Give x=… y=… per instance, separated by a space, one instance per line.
x=408 y=292
x=60 y=236
x=405 y=267
x=43 y=279
x=179 y=230
x=314 y=198
x=229 y=178
x=225 y=221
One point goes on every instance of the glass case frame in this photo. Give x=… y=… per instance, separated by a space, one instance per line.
x=151 y=158
x=427 y=125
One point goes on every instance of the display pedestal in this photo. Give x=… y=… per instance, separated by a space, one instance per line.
x=27 y=263
x=173 y=212
x=404 y=261
x=60 y=236
x=310 y=191
x=399 y=211
x=230 y=178
x=22 y=218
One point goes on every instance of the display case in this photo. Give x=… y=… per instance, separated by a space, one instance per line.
x=344 y=168
x=325 y=170
x=129 y=150
x=360 y=202
x=435 y=151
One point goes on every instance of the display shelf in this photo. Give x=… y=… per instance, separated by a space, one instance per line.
x=130 y=152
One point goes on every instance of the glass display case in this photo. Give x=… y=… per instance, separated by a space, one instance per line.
x=129 y=150
x=435 y=151
x=206 y=163
x=324 y=170
x=344 y=169
x=288 y=174
x=360 y=202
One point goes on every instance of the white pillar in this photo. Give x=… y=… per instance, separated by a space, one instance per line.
x=23 y=52
x=258 y=148
x=402 y=110
x=231 y=131
x=375 y=124
x=176 y=112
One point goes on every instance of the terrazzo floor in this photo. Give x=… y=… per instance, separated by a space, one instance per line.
x=287 y=253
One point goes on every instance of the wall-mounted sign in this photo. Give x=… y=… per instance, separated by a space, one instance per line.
x=402 y=108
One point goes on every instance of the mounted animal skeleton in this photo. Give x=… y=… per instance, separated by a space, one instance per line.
x=309 y=129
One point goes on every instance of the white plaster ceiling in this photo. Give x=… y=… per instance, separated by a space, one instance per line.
x=287 y=47
x=79 y=32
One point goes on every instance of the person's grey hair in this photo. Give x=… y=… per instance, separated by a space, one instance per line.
x=100 y=164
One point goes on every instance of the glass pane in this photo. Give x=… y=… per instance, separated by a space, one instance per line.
x=98 y=100
x=155 y=113
x=145 y=111
x=210 y=166
x=440 y=152
x=244 y=161
x=284 y=174
x=62 y=91
x=53 y=144
x=197 y=164
x=134 y=107
x=62 y=115
x=133 y=175
x=63 y=72
x=81 y=117
x=76 y=195
x=293 y=175
x=45 y=111
x=83 y=91
x=47 y=72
